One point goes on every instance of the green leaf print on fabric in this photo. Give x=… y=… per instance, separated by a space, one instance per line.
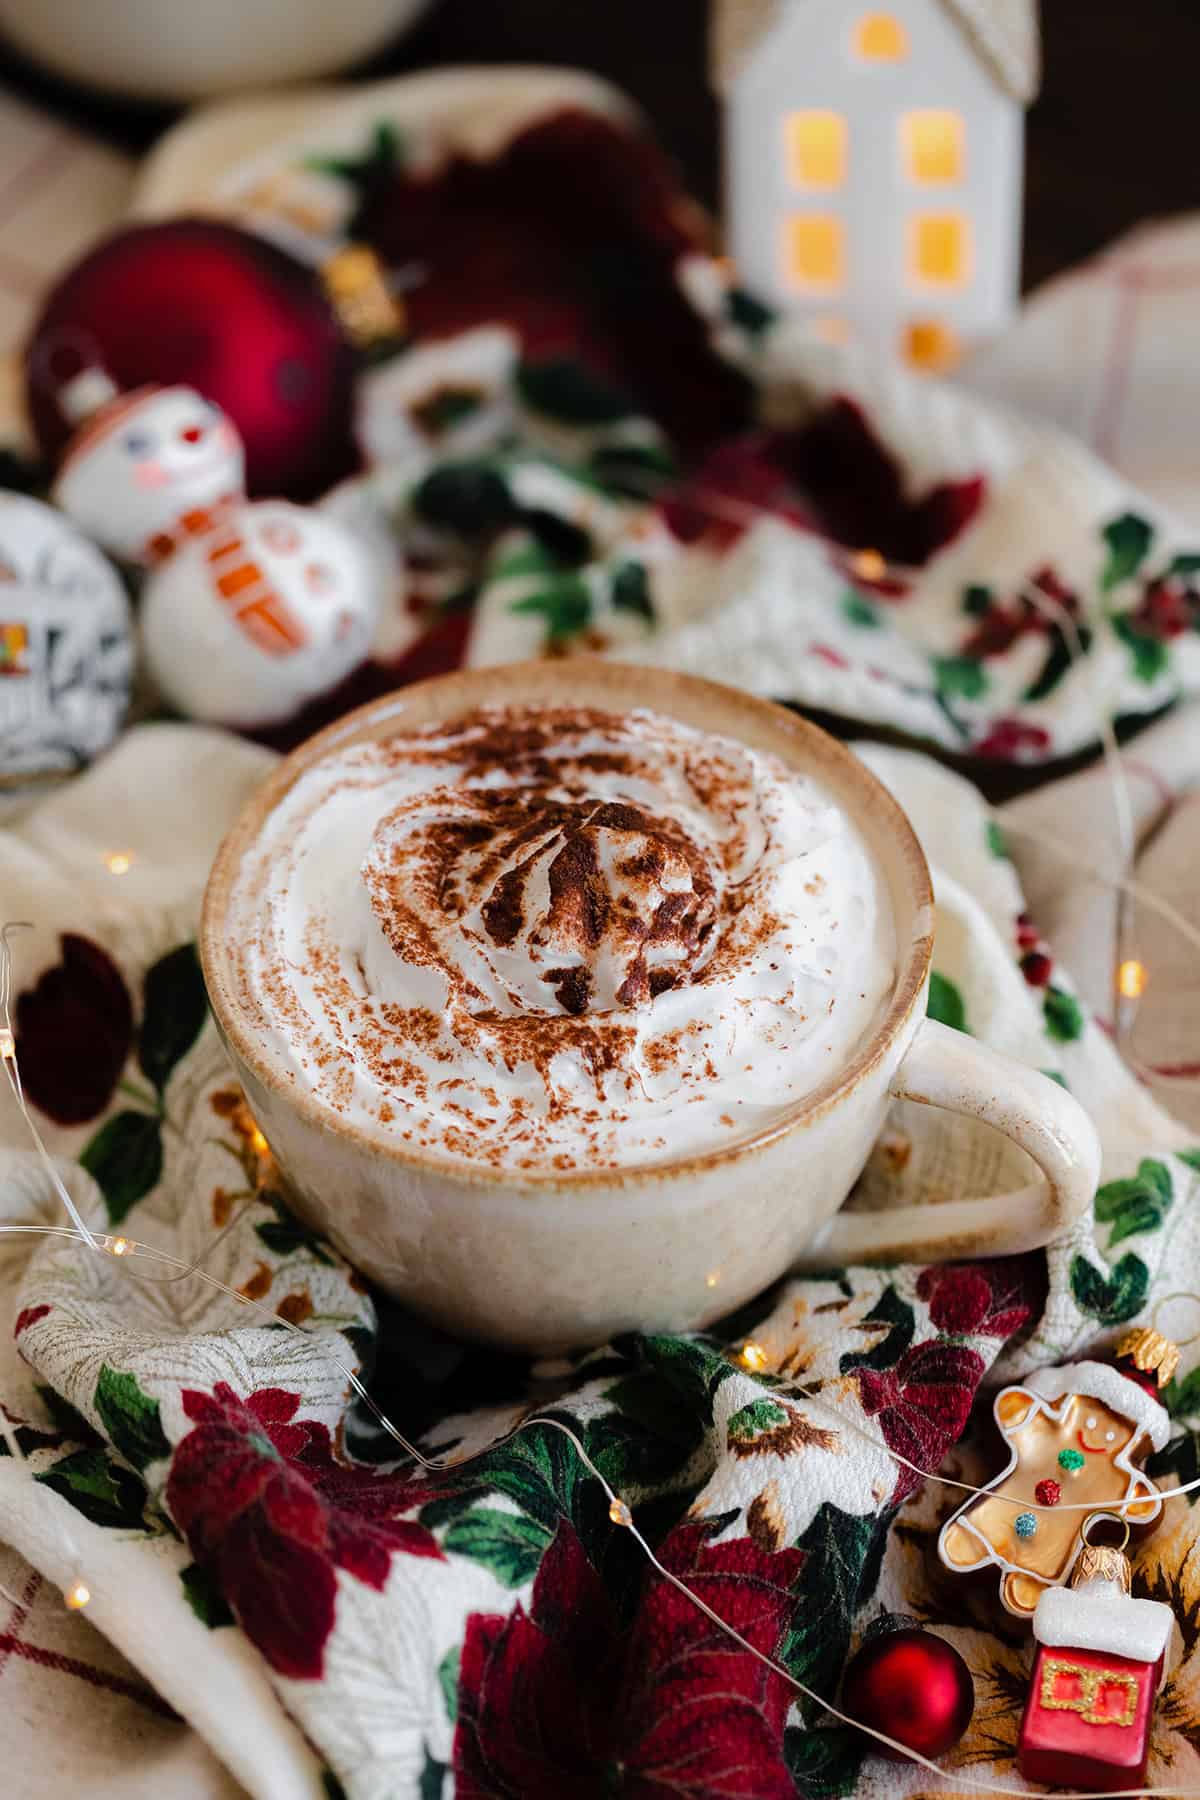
x=1114 y=1298
x=753 y=1420
x=1180 y=1459
x=131 y=1419
x=1190 y=1157
x=631 y=590
x=960 y=678
x=977 y=600
x=1182 y=1398
x=97 y=1486
x=565 y=389
x=945 y=1003
x=1138 y=1203
x=125 y=1157
x=470 y=499
x=1150 y=654
x=566 y=606
x=448 y=1680
x=842 y=1559
x=205 y=1598
x=995 y=840
x=433 y=1778
x=1059 y=657
x=174 y=1010
x=284 y=1235
x=1063 y=1015
x=1128 y=539
x=858 y=610
x=824 y=1763
x=508 y=1544
x=896 y=1322
x=748 y=311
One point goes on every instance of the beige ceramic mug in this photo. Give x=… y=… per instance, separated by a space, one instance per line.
x=544 y=1261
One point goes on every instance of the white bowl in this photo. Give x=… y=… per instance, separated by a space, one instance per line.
x=184 y=49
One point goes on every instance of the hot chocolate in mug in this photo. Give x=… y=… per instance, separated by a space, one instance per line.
x=617 y=861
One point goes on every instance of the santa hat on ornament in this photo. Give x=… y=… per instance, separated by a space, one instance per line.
x=1144 y=1361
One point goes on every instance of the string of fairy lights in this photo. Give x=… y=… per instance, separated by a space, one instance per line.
x=1130 y=980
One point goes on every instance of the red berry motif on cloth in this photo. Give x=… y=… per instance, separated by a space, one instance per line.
x=1047 y=1493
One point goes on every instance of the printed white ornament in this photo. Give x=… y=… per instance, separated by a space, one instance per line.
x=148 y=469
x=66 y=658
x=248 y=622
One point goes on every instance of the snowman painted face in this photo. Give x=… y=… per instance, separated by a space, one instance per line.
x=273 y=608
x=145 y=473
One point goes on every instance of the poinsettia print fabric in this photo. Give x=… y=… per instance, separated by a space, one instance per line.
x=247 y=1525
x=592 y=440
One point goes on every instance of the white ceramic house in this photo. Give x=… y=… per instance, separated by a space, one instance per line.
x=874 y=162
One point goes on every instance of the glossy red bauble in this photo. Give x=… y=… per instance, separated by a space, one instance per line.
x=913 y=1686
x=202 y=304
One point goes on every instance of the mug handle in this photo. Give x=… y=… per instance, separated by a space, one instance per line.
x=947 y=1068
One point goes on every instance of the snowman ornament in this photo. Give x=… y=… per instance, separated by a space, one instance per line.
x=250 y=609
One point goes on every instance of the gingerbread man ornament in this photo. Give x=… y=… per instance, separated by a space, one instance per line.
x=1074 y=1434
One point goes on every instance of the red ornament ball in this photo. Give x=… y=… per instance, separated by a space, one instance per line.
x=1047 y=1493
x=196 y=302
x=915 y=1687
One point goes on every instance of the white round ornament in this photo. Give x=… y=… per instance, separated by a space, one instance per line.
x=66 y=650
x=148 y=470
x=273 y=607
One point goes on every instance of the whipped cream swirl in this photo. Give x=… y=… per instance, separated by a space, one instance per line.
x=558 y=938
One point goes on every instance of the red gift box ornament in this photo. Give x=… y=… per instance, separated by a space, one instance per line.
x=1076 y=1437
x=1098 y=1667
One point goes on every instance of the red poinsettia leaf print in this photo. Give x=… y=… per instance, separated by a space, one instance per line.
x=536 y=1690
x=922 y=1403
x=269 y=1512
x=983 y=1299
x=700 y=1717
x=29 y=1315
x=74 y=1032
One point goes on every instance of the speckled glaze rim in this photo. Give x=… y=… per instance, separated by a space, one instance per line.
x=595 y=681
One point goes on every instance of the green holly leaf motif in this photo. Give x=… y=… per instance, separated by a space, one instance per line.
x=945 y=1003
x=1187 y=562
x=647 y=1437
x=1181 y=1459
x=131 y=1419
x=565 y=605
x=98 y=1487
x=858 y=610
x=1062 y=1015
x=1059 y=657
x=995 y=840
x=204 y=1597
x=1057 y=1077
x=631 y=590
x=638 y=471
x=1150 y=654
x=470 y=499
x=175 y=1006
x=748 y=312
x=448 y=1680
x=896 y=1314
x=1128 y=539
x=1190 y=1157
x=368 y=174
x=976 y=600
x=823 y=1762
x=568 y=390
x=433 y=1777
x=841 y=1567
x=285 y=1235
x=959 y=677
x=125 y=1157
x=67 y=1421
x=1136 y=1204
x=1182 y=1398
x=749 y=1422
x=509 y=1544
x=1114 y=1298
x=527 y=558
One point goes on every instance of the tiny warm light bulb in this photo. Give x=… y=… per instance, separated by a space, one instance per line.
x=712 y=1278
x=619 y=1513
x=1131 y=979
x=870 y=565
x=258 y=1143
x=754 y=1356
x=119 y=1246
x=77 y=1596
x=118 y=862
x=8 y=1044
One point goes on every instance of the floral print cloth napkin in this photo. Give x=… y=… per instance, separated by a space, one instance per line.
x=332 y=1621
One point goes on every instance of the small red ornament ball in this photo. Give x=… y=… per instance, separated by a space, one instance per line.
x=196 y=302
x=1047 y=1493
x=912 y=1685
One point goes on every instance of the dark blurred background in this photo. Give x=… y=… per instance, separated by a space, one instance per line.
x=1111 y=138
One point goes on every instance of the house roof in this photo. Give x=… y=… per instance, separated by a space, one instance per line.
x=1004 y=33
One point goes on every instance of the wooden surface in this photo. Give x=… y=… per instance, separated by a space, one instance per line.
x=1111 y=139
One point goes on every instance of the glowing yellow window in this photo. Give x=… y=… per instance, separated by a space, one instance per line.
x=816 y=149
x=878 y=37
x=933 y=146
x=930 y=345
x=815 y=251
x=940 y=249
